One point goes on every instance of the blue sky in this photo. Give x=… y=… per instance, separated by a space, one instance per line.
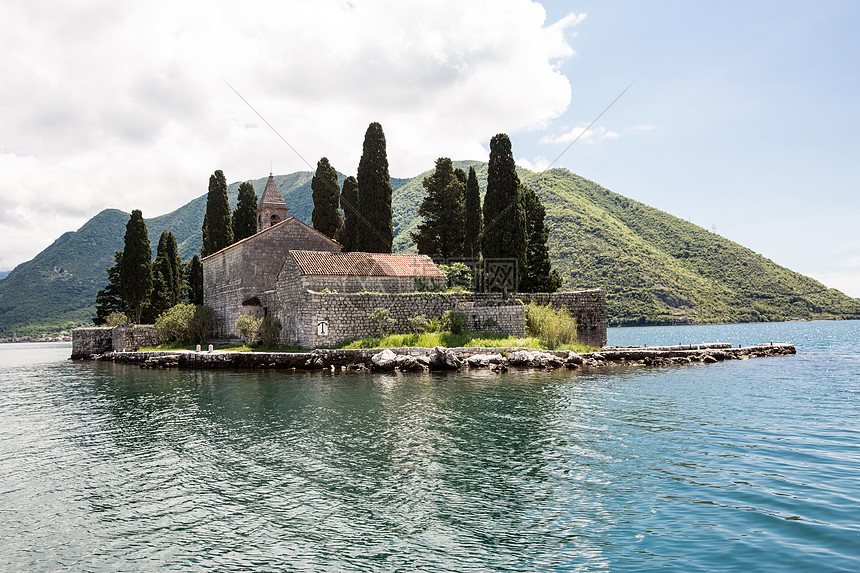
x=743 y=117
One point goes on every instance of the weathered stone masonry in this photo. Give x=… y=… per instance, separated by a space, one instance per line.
x=251 y=266
x=588 y=307
x=87 y=342
x=345 y=314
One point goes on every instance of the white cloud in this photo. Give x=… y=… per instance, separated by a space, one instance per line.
x=114 y=104
x=537 y=165
x=581 y=134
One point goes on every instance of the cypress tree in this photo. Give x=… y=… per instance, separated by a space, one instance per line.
x=349 y=199
x=135 y=271
x=109 y=299
x=326 y=195
x=461 y=176
x=175 y=261
x=217 y=223
x=504 y=214
x=244 y=218
x=473 y=224
x=375 y=231
x=162 y=279
x=441 y=233
x=166 y=277
x=539 y=276
x=195 y=281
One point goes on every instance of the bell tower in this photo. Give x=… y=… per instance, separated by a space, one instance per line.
x=272 y=209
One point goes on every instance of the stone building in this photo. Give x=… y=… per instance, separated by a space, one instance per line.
x=250 y=267
x=321 y=296
x=272 y=271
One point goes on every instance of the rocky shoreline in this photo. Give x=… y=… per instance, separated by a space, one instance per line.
x=413 y=359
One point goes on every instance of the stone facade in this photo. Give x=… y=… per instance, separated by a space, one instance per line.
x=250 y=267
x=87 y=342
x=346 y=315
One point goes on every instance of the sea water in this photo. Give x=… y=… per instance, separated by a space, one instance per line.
x=740 y=465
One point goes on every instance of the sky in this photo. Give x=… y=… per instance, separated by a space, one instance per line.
x=741 y=117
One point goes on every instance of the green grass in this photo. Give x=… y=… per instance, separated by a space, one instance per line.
x=554 y=327
x=449 y=340
x=238 y=347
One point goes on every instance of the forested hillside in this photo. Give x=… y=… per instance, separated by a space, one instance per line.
x=656 y=268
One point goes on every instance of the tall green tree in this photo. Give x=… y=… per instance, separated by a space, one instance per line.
x=135 y=271
x=166 y=277
x=504 y=213
x=442 y=231
x=195 y=281
x=348 y=237
x=326 y=195
x=244 y=218
x=109 y=299
x=539 y=275
x=473 y=225
x=217 y=223
x=375 y=229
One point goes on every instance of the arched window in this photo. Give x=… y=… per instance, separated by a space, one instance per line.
x=275 y=220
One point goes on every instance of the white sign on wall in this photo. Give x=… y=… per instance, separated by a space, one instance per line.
x=322 y=328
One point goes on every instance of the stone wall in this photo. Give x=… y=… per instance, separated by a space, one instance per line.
x=588 y=307
x=346 y=315
x=251 y=266
x=131 y=338
x=87 y=342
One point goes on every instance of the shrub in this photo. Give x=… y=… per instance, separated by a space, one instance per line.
x=381 y=321
x=270 y=331
x=554 y=327
x=418 y=324
x=457 y=276
x=115 y=319
x=434 y=324
x=428 y=285
x=248 y=327
x=186 y=322
x=454 y=320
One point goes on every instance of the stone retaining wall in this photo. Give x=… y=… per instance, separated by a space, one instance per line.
x=345 y=316
x=588 y=307
x=87 y=342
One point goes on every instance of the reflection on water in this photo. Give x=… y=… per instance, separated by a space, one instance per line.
x=739 y=465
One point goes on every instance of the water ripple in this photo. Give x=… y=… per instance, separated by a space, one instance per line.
x=734 y=466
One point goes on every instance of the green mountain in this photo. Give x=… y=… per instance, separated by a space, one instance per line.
x=656 y=268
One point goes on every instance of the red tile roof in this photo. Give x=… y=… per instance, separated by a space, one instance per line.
x=365 y=264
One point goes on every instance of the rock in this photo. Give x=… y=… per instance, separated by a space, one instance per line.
x=384 y=361
x=483 y=360
x=519 y=358
x=444 y=359
x=708 y=359
x=573 y=358
x=498 y=368
x=315 y=362
x=545 y=360
x=477 y=361
x=406 y=363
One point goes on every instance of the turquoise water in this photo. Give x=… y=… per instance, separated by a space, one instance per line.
x=744 y=466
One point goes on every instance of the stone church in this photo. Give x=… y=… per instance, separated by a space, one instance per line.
x=273 y=271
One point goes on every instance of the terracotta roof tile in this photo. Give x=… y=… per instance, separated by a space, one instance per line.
x=365 y=264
